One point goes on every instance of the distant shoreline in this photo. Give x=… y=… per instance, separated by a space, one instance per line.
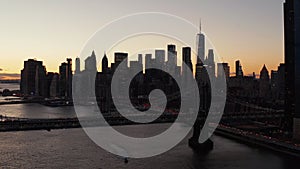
x=259 y=142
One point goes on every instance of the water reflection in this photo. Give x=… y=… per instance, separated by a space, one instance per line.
x=34 y=110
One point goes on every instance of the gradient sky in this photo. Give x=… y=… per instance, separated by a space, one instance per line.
x=51 y=30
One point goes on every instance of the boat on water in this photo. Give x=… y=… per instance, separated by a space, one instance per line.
x=58 y=103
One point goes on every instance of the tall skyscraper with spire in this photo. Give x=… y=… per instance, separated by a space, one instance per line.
x=200 y=45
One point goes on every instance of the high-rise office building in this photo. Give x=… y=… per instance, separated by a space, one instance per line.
x=238 y=69
x=69 y=78
x=123 y=71
x=172 y=59
x=140 y=59
x=119 y=57
x=210 y=62
x=172 y=54
x=77 y=66
x=90 y=63
x=105 y=64
x=223 y=69
x=281 y=81
x=52 y=84
x=292 y=62
x=86 y=79
x=200 y=46
x=264 y=83
x=65 y=79
x=33 y=79
x=186 y=58
x=160 y=56
x=148 y=61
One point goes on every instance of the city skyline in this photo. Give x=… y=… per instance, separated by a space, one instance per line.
x=53 y=40
x=231 y=72
x=150 y=84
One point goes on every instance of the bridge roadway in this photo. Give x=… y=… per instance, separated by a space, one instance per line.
x=14 y=123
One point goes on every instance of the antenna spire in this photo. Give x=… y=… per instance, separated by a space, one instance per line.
x=200 y=26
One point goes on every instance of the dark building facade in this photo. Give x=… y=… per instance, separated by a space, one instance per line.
x=186 y=57
x=264 y=83
x=52 y=85
x=223 y=70
x=33 y=79
x=292 y=61
x=77 y=66
x=65 y=79
x=211 y=65
x=238 y=69
x=200 y=46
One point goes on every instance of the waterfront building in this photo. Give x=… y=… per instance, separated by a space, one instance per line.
x=65 y=79
x=52 y=85
x=33 y=79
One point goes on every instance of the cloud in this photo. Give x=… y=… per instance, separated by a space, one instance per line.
x=9 y=76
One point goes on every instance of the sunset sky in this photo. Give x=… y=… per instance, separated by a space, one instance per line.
x=52 y=30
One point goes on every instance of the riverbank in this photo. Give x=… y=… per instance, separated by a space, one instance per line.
x=258 y=141
x=16 y=124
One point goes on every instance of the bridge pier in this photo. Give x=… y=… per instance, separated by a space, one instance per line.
x=205 y=147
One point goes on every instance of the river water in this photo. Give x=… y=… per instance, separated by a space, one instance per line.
x=35 y=110
x=10 y=86
x=71 y=148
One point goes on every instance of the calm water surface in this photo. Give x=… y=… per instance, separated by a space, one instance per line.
x=10 y=86
x=71 y=148
x=34 y=110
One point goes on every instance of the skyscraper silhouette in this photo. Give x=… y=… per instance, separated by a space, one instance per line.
x=200 y=45
x=186 y=57
x=160 y=56
x=77 y=65
x=210 y=62
x=223 y=70
x=90 y=62
x=33 y=78
x=65 y=79
x=238 y=69
x=104 y=64
x=292 y=61
x=264 y=83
